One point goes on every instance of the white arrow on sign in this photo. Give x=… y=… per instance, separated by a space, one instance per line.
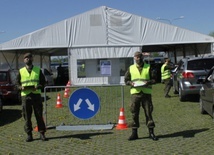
x=90 y=106
x=77 y=106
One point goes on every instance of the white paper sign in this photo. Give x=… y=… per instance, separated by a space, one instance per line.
x=139 y=83
x=105 y=67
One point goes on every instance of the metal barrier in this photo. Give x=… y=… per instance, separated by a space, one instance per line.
x=111 y=99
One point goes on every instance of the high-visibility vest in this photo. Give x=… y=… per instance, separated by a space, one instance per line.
x=143 y=76
x=30 y=80
x=165 y=74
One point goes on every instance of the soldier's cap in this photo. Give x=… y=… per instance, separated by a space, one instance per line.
x=167 y=59
x=138 y=54
x=27 y=55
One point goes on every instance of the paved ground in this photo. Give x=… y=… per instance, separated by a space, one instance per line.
x=181 y=129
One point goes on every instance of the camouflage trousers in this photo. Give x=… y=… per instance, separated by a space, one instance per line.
x=168 y=85
x=145 y=101
x=33 y=103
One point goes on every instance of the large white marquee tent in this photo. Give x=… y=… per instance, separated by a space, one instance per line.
x=107 y=34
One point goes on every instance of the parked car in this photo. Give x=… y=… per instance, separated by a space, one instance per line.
x=188 y=71
x=1 y=104
x=207 y=94
x=8 y=90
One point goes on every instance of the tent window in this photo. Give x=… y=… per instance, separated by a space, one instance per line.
x=95 y=20
x=81 y=68
x=103 y=67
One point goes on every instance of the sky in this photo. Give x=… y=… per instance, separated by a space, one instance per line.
x=20 y=17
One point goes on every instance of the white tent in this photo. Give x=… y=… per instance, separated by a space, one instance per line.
x=107 y=34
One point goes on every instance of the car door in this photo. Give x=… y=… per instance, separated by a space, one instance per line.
x=208 y=93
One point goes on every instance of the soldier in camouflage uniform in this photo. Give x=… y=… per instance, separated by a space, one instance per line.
x=140 y=78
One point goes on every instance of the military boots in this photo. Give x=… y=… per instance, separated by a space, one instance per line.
x=29 y=137
x=134 y=135
x=152 y=135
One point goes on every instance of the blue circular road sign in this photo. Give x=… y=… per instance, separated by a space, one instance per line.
x=84 y=103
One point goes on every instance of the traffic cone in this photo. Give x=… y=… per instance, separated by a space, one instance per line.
x=66 y=93
x=36 y=129
x=122 y=121
x=67 y=90
x=58 y=102
x=68 y=85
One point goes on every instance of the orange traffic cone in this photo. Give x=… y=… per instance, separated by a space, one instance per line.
x=36 y=129
x=68 y=84
x=66 y=93
x=67 y=90
x=122 y=122
x=58 y=102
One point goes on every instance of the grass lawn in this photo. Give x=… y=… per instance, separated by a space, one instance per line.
x=179 y=125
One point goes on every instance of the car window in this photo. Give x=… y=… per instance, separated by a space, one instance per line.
x=200 y=64
x=3 y=76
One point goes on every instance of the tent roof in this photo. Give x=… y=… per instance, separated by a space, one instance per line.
x=103 y=27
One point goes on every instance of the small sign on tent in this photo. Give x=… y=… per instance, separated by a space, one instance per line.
x=105 y=67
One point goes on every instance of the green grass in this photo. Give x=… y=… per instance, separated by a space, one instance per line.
x=179 y=125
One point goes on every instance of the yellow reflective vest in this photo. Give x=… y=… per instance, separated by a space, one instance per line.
x=165 y=74
x=143 y=76
x=30 y=80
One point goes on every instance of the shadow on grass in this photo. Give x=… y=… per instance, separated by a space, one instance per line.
x=184 y=134
x=83 y=136
x=9 y=115
x=192 y=98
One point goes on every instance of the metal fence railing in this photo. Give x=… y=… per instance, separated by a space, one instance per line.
x=111 y=99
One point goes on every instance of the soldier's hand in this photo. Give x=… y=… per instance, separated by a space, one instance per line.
x=132 y=83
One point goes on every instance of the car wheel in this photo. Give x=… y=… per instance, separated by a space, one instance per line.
x=181 y=96
x=202 y=111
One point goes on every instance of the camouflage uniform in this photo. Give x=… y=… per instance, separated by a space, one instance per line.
x=141 y=99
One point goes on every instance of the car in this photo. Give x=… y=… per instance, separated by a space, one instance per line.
x=1 y=104
x=207 y=94
x=188 y=71
x=48 y=77
x=8 y=90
